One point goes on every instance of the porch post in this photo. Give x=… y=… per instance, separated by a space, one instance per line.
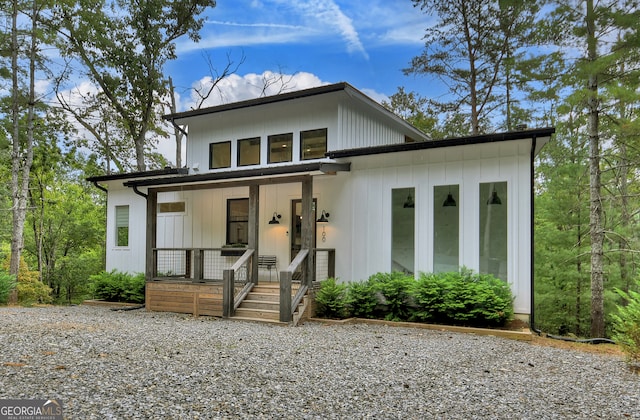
x=307 y=231
x=151 y=237
x=254 y=210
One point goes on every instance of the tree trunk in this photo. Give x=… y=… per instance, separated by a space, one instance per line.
x=595 y=199
x=22 y=155
x=17 y=209
x=176 y=130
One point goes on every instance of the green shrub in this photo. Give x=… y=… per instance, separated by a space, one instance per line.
x=626 y=325
x=463 y=298
x=361 y=299
x=30 y=288
x=395 y=290
x=7 y=283
x=116 y=286
x=331 y=299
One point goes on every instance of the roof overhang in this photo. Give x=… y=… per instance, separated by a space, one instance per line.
x=268 y=175
x=341 y=88
x=134 y=175
x=541 y=136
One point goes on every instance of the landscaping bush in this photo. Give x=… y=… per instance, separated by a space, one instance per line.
x=395 y=290
x=30 y=289
x=626 y=325
x=331 y=299
x=458 y=298
x=465 y=298
x=361 y=299
x=115 y=286
x=7 y=283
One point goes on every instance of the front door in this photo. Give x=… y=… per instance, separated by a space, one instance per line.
x=296 y=225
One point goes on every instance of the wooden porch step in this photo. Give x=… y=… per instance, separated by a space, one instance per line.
x=259 y=320
x=263 y=297
x=265 y=314
x=260 y=304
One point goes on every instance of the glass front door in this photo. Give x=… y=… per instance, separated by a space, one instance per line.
x=296 y=225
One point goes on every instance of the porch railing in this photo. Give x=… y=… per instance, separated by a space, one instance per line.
x=231 y=301
x=193 y=264
x=287 y=304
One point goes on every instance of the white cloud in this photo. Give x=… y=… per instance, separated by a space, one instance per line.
x=236 y=88
x=329 y=14
x=280 y=22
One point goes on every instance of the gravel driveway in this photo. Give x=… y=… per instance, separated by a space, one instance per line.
x=103 y=364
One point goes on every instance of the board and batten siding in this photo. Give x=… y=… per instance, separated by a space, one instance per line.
x=131 y=258
x=363 y=208
x=359 y=129
x=348 y=126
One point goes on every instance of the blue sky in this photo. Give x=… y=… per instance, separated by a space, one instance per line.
x=364 y=43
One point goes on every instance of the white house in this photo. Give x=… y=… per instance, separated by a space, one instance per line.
x=268 y=172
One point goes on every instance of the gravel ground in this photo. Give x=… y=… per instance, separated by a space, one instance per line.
x=104 y=364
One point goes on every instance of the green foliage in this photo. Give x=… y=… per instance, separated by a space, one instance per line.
x=458 y=298
x=463 y=298
x=116 y=286
x=361 y=299
x=331 y=299
x=395 y=290
x=30 y=289
x=7 y=283
x=627 y=325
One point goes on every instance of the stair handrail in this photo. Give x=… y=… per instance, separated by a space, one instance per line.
x=230 y=302
x=286 y=276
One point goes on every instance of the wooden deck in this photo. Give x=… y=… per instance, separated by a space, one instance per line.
x=184 y=297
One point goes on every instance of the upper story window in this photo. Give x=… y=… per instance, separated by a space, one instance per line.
x=249 y=151
x=280 y=146
x=220 y=155
x=313 y=144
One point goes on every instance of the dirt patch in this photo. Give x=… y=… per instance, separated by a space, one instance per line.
x=606 y=349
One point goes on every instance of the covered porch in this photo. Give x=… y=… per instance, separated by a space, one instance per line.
x=215 y=281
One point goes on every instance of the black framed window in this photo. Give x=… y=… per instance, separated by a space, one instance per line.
x=280 y=146
x=122 y=225
x=238 y=221
x=313 y=144
x=220 y=155
x=249 y=151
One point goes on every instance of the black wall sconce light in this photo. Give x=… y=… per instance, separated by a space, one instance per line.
x=450 y=201
x=274 y=219
x=494 y=199
x=409 y=204
x=323 y=217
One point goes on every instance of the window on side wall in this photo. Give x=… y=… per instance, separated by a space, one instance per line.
x=249 y=151
x=280 y=146
x=122 y=225
x=238 y=221
x=493 y=229
x=313 y=144
x=220 y=155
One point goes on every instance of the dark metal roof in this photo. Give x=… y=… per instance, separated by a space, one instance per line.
x=327 y=167
x=450 y=142
x=261 y=101
x=145 y=174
